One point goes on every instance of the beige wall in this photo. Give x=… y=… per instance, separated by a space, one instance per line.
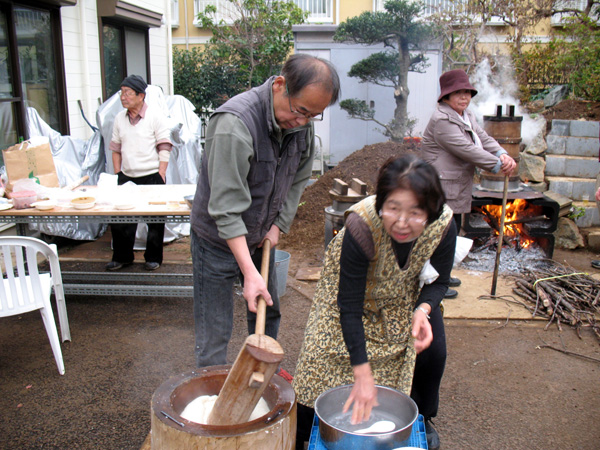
x=188 y=35
x=352 y=8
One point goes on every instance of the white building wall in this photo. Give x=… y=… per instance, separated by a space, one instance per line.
x=160 y=45
x=83 y=71
x=81 y=48
x=348 y=135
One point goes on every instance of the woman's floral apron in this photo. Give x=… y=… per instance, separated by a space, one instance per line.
x=390 y=298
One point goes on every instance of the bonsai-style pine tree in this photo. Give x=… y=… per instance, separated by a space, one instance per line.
x=403 y=36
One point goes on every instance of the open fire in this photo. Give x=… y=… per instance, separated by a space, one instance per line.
x=518 y=213
x=528 y=237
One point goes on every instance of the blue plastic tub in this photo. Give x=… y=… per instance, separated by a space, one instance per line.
x=417 y=438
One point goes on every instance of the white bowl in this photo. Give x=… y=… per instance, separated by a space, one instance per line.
x=83 y=202
x=44 y=205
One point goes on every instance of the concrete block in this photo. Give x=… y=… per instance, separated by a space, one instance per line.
x=557 y=145
x=591 y=217
x=555 y=165
x=574 y=188
x=594 y=241
x=571 y=166
x=561 y=127
x=585 y=128
x=582 y=146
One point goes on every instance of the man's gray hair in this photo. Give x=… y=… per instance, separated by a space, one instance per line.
x=302 y=69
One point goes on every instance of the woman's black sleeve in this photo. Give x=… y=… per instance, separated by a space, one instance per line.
x=351 y=296
x=442 y=261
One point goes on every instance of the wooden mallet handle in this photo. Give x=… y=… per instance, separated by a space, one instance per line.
x=261 y=308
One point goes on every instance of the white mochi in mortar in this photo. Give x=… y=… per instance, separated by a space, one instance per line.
x=199 y=409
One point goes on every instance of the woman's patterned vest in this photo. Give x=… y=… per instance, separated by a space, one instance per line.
x=390 y=297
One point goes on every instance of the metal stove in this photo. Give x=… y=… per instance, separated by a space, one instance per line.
x=538 y=214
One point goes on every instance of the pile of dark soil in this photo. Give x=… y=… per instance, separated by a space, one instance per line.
x=574 y=110
x=308 y=229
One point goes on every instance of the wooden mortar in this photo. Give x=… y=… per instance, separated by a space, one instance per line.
x=170 y=431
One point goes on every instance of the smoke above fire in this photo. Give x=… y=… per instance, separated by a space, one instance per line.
x=500 y=88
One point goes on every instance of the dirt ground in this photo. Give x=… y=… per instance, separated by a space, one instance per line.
x=502 y=388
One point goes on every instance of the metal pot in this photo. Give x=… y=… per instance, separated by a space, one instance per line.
x=337 y=433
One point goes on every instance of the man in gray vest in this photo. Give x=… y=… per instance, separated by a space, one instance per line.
x=257 y=158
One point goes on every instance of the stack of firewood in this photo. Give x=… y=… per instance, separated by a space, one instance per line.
x=562 y=295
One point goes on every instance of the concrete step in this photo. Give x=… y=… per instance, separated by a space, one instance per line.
x=581 y=128
x=572 y=166
x=572 y=145
x=576 y=189
x=591 y=218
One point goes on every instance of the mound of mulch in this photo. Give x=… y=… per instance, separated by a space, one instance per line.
x=308 y=230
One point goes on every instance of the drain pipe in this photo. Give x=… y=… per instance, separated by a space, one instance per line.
x=85 y=61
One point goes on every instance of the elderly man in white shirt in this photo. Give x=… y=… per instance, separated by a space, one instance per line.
x=140 y=148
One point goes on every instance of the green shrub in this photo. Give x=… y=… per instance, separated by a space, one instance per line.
x=572 y=57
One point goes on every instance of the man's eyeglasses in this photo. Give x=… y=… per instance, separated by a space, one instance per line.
x=310 y=118
x=127 y=93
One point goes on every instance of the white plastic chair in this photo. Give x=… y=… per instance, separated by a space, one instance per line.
x=24 y=289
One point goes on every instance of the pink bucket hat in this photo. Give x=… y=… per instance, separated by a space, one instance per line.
x=455 y=80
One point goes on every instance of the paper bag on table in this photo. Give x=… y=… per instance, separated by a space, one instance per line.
x=30 y=159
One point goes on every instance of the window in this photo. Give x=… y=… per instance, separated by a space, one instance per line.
x=320 y=10
x=434 y=6
x=31 y=73
x=226 y=10
x=558 y=20
x=125 y=52
x=446 y=6
x=175 y=13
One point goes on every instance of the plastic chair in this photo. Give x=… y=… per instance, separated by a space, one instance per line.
x=24 y=288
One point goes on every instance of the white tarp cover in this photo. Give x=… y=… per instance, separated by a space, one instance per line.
x=75 y=158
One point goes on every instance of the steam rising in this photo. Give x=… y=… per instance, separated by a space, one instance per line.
x=501 y=88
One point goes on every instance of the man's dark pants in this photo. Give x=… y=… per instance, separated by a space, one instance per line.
x=215 y=273
x=123 y=234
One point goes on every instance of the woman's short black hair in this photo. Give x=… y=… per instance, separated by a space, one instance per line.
x=412 y=173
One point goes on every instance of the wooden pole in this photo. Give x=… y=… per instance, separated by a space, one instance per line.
x=500 y=236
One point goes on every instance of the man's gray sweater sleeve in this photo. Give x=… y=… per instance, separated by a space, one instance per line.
x=229 y=151
x=286 y=216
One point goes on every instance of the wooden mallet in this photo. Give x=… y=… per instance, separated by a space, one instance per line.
x=253 y=368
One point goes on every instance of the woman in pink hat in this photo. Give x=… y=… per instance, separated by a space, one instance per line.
x=454 y=144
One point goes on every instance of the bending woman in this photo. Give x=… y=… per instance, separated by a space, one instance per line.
x=369 y=317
